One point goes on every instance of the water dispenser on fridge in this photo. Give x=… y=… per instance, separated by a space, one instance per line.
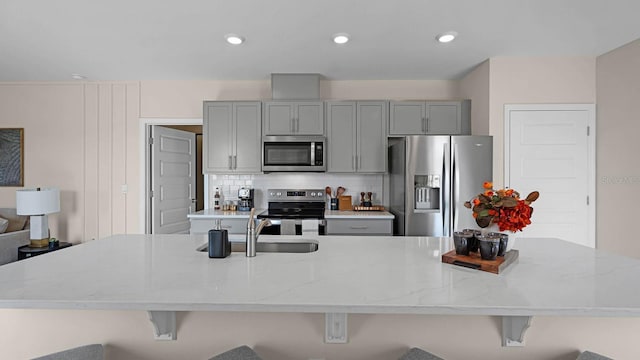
x=427 y=192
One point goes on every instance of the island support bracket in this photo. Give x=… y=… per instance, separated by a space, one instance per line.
x=335 y=328
x=513 y=329
x=164 y=324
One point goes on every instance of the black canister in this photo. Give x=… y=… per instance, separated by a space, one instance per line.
x=219 y=245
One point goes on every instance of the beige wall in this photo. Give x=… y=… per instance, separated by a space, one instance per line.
x=475 y=86
x=530 y=80
x=276 y=336
x=618 y=169
x=82 y=138
x=95 y=127
x=52 y=118
x=183 y=99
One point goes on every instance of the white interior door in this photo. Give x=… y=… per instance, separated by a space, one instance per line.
x=173 y=180
x=551 y=148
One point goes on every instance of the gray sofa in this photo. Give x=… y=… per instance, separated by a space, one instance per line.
x=12 y=240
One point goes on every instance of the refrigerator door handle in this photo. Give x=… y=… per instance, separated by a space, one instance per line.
x=454 y=185
x=443 y=182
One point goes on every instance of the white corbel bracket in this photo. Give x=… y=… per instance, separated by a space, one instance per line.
x=164 y=324
x=335 y=328
x=513 y=329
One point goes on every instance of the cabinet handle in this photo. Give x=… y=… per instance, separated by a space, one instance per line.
x=359 y=227
x=292 y=125
x=230 y=162
x=427 y=122
x=353 y=162
x=235 y=162
x=423 y=125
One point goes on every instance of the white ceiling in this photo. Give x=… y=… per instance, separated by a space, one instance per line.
x=391 y=39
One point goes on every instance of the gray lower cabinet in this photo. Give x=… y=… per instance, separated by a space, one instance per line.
x=293 y=118
x=232 y=137
x=382 y=227
x=233 y=226
x=430 y=117
x=357 y=136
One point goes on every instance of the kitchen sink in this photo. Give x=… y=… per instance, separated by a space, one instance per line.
x=305 y=246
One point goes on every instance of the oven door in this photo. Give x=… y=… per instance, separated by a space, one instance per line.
x=276 y=227
x=293 y=153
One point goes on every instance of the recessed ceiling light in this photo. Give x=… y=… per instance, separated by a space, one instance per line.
x=234 y=39
x=449 y=36
x=78 y=77
x=341 y=38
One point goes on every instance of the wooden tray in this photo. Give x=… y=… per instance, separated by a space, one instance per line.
x=474 y=261
x=368 y=208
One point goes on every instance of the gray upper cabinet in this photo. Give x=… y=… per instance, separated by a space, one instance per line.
x=357 y=137
x=430 y=118
x=232 y=137
x=293 y=118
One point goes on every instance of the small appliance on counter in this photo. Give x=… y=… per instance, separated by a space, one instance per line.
x=245 y=197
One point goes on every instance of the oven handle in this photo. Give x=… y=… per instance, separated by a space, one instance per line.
x=296 y=221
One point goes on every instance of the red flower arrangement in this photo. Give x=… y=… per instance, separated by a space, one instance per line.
x=502 y=207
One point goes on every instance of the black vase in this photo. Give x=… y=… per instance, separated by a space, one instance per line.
x=461 y=242
x=489 y=247
x=473 y=242
x=504 y=240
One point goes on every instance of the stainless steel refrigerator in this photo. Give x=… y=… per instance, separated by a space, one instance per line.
x=430 y=178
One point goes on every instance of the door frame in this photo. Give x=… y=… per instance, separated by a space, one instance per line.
x=591 y=152
x=145 y=170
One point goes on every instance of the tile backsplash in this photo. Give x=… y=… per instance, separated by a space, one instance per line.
x=354 y=184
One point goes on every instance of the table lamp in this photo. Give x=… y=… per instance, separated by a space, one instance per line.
x=38 y=203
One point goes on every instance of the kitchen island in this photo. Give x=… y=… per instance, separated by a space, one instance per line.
x=347 y=274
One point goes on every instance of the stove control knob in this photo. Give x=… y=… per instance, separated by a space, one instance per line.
x=313 y=194
x=272 y=193
x=278 y=194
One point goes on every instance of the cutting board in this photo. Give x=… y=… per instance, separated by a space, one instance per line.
x=474 y=261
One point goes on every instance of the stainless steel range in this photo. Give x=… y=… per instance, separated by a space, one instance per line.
x=287 y=208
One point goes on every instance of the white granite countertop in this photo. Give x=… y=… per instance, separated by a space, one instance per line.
x=220 y=214
x=349 y=214
x=349 y=274
x=328 y=214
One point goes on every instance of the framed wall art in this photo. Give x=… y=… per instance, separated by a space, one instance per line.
x=12 y=157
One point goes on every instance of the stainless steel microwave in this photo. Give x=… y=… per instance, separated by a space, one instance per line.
x=293 y=153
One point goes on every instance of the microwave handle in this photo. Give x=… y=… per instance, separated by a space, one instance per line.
x=313 y=153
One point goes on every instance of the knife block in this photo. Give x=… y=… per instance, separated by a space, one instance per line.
x=344 y=202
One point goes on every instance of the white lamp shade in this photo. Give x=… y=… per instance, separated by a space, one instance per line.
x=37 y=201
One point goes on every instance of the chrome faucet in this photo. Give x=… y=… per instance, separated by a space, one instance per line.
x=253 y=233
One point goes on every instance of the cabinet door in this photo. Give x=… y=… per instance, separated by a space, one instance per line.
x=247 y=137
x=278 y=118
x=217 y=137
x=372 y=136
x=443 y=118
x=309 y=118
x=407 y=118
x=341 y=136
x=382 y=227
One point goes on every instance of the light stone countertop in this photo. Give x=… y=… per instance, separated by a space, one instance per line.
x=328 y=214
x=220 y=214
x=348 y=274
x=349 y=214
